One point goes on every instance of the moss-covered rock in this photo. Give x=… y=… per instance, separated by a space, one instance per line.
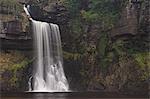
x=13 y=66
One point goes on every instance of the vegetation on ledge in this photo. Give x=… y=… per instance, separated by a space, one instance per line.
x=12 y=67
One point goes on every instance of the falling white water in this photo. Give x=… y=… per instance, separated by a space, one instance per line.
x=48 y=71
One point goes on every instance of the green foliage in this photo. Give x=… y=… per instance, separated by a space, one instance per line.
x=76 y=27
x=103 y=41
x=16 y=68
x=73 y=7
x=13 y=63
x=8 y=3
x=105 y=12
x=89 y=16
x=88 y=21
x=71 y=56
x=19 y=66
x=101 y=48
x=75 y=21
x=118 y=47
x=107 y=57
x=12 y=6
x=143 y=59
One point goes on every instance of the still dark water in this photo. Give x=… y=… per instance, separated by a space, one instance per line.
x=70 y=95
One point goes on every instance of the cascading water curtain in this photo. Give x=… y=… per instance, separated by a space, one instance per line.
x=48 y=73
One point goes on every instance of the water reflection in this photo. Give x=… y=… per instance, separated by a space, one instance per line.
x=71 y=95
x=33 y=95
x=49 y=96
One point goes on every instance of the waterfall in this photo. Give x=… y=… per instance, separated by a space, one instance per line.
x=48 y=73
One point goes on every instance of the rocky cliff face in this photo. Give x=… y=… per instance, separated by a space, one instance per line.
x=111 y=62
x=132 y=44
x=14 y=26
x=15 y=46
